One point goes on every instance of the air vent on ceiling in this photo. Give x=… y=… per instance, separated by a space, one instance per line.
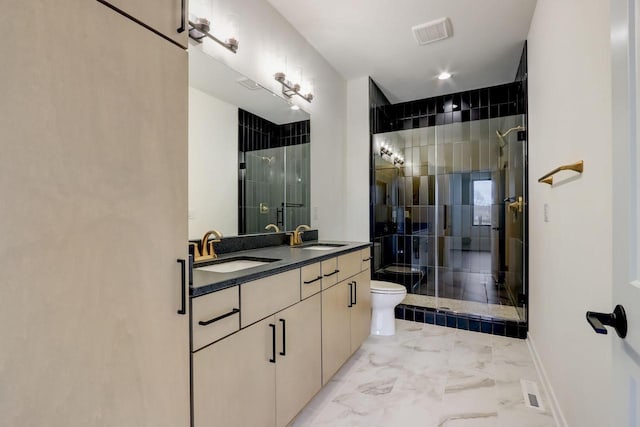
x=248 y=83
x=432 y=31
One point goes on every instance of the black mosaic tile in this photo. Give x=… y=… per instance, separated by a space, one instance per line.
x=463 y=322
x=466 y=115
x=498 y=328
x=429 y=317
x=457 y=116
x=451 y=320
x=409 y=313
x=441 y=319
x=418 y=315
x=486 y=326
x=474 y=324
x=511 y=329
x=399 y=312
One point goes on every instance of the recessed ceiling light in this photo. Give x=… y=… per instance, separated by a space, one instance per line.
x=444 y=75
x=294 y=107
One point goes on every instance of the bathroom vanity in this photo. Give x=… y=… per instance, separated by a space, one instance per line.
x=266 y=337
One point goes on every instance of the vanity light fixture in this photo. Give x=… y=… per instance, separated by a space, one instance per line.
x=289 y=89
x=385 y=150
x=199 y=29
x=444 y=76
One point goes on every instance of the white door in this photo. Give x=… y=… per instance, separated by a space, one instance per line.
x=626 y=210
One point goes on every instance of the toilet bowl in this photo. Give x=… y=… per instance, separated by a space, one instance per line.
x=406 y=275
x=384 y=298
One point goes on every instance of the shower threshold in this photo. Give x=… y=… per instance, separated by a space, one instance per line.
x=497 y=311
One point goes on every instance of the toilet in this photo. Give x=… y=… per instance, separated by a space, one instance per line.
x=384 y=298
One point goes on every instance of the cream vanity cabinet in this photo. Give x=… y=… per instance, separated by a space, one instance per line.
x=94 y=173
x=264 y=374
x=346 y=312
x=167 y=17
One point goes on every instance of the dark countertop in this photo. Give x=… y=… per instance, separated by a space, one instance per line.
x=290 y=258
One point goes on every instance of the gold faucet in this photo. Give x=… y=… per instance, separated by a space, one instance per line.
x=296 y=236
x=273 y=227
x=206 y=250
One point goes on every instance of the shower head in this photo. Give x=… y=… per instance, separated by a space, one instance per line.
x=502 y=135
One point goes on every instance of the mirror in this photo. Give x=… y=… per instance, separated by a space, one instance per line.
x=249 y=155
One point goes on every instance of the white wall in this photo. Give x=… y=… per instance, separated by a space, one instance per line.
x=213 y=165
x=356 y=154
x=268 y=44
x=570 y=256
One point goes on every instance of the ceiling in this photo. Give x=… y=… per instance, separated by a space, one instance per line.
x=374 y=38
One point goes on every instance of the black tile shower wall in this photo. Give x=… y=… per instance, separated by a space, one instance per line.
x=464 y=321
x=478 y=104
x=256 y=133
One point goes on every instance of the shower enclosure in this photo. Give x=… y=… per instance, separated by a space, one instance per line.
x=275 y=185
x=449 y=215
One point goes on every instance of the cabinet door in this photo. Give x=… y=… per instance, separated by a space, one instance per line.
x=299 y=369
x=361 y=310
x=164 y=16
x=336 y=332
x=93 y=177
x=234 y=381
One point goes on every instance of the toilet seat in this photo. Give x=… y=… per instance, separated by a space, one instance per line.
x=380 y=287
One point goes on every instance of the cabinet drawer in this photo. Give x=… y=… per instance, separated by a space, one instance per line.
x=215 y=316
x=262 y=298
x=310 y=280
x=366 y=259
x=349 y=265
x=329 y=272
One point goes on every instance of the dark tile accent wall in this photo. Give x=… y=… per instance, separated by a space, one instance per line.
x=496 y=101
x=467 y=322
x=256 y=133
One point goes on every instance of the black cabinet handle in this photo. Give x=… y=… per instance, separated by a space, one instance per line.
x=355 y=292
x=617 y=320
x=215 y=319
x=284 y=339
x=350 y=294
x=367 y=259
x=183 y=267
x=314 y=280
x=183 y=17
x=273 y=343
x=331 y=274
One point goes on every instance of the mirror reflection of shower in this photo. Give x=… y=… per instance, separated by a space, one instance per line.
x=274 y=168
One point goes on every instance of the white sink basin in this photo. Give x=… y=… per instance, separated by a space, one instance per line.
x=231 y=266
x=319 y=248
x=322 y=246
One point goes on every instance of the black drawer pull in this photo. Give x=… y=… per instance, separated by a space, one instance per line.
x=284 y=339
x=183 y=298
x=355 y=292
x=367 y=259
x=215 y=319
x=331 y=274
x=273 y=343
x=314 y=280
x=350 y=294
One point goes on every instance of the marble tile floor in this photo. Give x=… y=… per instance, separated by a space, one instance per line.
x=430 y=376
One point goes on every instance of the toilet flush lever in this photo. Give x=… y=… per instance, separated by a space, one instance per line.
x=617 y=320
